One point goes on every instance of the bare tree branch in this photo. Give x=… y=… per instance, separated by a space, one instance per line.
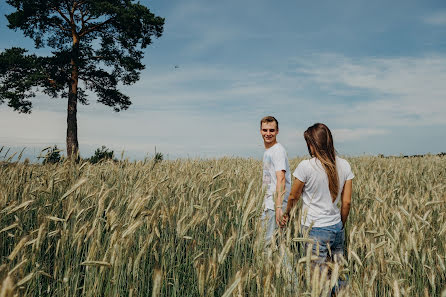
x=73 y=8
x=82 y=20
x=62 y=15
x=84 y=15
x=95 y=28
x=63 y=28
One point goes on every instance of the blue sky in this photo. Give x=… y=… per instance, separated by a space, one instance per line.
x=373 y=71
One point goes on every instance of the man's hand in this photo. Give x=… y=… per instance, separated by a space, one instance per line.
x=284 y=221
x=279 y=216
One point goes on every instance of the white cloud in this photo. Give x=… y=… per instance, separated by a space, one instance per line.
x=438 y=19
x=213 y=110
x=391 y=91
x=346 y=135
x=174 y=133
x=211 y=88
x=38 y=128
x=397 y=91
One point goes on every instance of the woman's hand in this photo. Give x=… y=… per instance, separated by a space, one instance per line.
x=279 y=215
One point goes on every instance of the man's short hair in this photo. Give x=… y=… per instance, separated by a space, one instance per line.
x=269 y=119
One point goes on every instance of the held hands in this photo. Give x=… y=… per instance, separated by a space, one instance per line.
x=285 y=218
x=281 y=218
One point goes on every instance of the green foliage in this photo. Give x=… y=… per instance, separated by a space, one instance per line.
x=51 y=155
x=158 y=157
x=106 y=33
x=19 y=74
x=99 y=43
x=100 y=154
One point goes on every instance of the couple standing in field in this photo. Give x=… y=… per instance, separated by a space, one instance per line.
x=323 y=181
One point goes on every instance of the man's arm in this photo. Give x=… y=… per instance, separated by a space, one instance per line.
x=280 y=192
x=346 y=200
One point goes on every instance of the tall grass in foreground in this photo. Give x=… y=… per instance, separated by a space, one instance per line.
x=191 y=228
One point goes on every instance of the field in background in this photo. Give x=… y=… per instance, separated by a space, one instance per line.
x=191 y=228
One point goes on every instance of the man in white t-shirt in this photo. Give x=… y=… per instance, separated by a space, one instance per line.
x=276 y=176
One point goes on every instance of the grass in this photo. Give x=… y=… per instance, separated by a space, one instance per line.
x=192 y=228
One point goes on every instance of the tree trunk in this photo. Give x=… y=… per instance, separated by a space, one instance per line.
x=72 y=143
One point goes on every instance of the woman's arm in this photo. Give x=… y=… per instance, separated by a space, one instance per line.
x=296 y=191
x=346 y=200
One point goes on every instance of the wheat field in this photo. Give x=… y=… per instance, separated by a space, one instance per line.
x=192 y=228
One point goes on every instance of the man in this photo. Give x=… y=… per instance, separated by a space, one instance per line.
x=276 y=176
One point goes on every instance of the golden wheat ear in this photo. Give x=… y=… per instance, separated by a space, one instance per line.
x=7 y=287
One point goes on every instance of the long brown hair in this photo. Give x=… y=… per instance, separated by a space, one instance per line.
x=319 y=137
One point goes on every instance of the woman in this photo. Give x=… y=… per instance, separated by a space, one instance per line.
x=322 y=181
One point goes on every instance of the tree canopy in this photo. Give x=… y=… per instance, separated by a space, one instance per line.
x=97 y=42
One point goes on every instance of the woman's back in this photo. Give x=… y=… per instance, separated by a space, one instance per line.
x=324 y=182
x=318 y=206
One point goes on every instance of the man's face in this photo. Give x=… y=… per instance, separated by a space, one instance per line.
x=269 y=132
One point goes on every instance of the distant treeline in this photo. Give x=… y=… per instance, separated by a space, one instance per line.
x=442 y=154
x=52 y=155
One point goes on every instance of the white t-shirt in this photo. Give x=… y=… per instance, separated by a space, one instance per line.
x=317 y=202
x=275 y=159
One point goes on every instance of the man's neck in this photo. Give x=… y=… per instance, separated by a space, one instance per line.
x=269 y=145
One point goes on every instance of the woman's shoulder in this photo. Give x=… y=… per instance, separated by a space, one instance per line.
x=301 y=172
x=344 y=167
x=307 y=163
x=342 y=162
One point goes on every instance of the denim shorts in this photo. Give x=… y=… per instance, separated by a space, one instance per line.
x=328 y=241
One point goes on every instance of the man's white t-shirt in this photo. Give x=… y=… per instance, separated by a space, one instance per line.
x=318 y=207
x=275 y=159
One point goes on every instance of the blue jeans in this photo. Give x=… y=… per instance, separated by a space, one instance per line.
x=269 y=227
x=332 y=236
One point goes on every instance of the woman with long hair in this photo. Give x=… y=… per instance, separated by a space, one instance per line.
x=324 y=181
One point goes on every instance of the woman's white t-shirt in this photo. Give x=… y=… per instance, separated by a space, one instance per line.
x=318 y=207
